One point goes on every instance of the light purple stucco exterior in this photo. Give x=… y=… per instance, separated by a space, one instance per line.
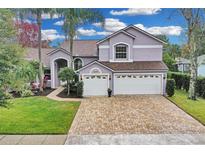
x=142 y=47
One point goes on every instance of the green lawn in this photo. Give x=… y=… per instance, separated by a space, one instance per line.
x=194 y=108
x=37 y=115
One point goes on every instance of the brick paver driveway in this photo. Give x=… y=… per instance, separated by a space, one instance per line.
x=141 y=114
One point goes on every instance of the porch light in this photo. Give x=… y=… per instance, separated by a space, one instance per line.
x=109 y=77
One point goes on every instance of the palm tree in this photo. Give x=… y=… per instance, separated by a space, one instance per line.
x=37 y=14
x=73 y=18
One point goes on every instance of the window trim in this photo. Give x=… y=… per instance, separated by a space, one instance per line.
x=126 y=52
x=74 y=62
x=128 y=59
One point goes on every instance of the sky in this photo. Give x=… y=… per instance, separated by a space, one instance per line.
x=156 y=21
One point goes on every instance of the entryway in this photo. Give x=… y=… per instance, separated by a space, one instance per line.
x=58 y=64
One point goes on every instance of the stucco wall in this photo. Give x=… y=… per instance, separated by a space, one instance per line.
x=104 y=54
x=147 y=54
x=141 y=38
x=142 y=48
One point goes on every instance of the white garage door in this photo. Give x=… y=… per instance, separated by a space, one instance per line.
x=138 y=84
x=95 y=85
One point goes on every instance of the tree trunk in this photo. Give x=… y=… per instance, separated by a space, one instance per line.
x=193 y=68
x=71 y=49
x=41 y=73
x=68 y=88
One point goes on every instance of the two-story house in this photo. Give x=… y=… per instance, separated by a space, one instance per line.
x=128 y=61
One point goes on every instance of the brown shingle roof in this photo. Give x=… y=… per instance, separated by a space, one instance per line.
x=32 y=54
x=132 y=66
x=82 y=47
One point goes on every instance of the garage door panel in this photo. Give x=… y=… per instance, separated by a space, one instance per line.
x=137 y=84
x=95 y=85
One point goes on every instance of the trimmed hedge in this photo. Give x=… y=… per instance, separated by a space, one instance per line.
x=182 y=82
x=80 y=88
x=170 y=87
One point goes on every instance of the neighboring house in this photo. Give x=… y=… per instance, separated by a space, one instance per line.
x=128 y=61
x=183 y=65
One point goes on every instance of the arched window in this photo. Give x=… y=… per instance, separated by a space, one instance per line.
x=121 y=51
x=78 y=64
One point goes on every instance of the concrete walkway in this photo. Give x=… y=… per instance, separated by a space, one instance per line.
x=32 y=139
x=53 y=95
x=137 y=139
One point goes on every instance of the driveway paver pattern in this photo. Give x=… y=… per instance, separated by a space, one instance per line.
x=136 y=114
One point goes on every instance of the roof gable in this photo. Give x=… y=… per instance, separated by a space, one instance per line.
x=144 y=32
x=115 y=33
x=59 y=49
x=127 y=33
x=94 y=62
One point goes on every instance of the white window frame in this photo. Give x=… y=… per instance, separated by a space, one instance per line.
x=126 y=51
x=128 y=59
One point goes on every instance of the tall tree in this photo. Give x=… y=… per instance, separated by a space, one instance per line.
x=10 y=52
x=193 y=18
x=37 y=14
x=75 y=17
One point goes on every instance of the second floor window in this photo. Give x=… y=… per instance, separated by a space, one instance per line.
x=121 y=51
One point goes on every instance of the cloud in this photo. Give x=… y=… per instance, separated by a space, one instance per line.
x=47 y=16
x=59 y=23
x=111 y=24
x=166 y=30
x=91 y=32
x=136 y=11
x=51 y=34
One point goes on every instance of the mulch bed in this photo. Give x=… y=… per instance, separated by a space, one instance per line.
x=63 y=94
x=44 y=93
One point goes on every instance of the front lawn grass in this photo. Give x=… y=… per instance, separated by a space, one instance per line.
x=37 y=115
x=194 y=108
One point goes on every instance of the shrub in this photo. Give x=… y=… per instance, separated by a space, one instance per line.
x=8 y=95
x=73 y=88
x=200 y=87
x=3 y=101
x=79 y=88
x=185 y=82
x=181 y=80
x=170 y=87
x=26 y=93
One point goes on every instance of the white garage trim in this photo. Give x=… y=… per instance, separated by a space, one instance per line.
x=137 y=74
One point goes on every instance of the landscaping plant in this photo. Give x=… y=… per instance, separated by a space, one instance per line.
x=68 y=75
x=79 y=85
x=170 y=87
x=182 y=82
